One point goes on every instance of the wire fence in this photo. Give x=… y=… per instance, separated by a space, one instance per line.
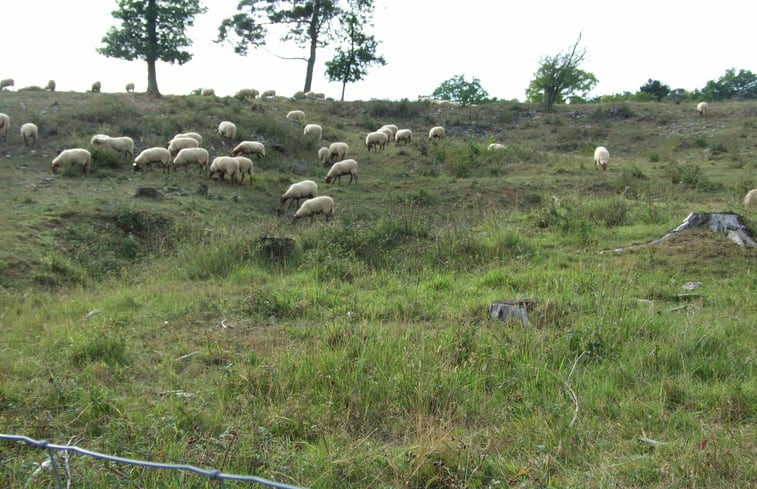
x=212 y=474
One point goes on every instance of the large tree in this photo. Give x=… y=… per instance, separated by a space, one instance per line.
x=152 y=30
x=655 y=88
x=741 y=84
x=457 y=89
x=559 y=77
x=358 y=50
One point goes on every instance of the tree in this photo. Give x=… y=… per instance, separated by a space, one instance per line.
x=309 y=24
x=457 y=89
x=559 y=78
x=351 y=61
x=655 y=88
x=732 y=85
x=152 y=30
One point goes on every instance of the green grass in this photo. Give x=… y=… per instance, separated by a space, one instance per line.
x=161 y=330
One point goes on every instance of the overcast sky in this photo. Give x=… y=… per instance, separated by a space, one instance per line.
x=424 y=42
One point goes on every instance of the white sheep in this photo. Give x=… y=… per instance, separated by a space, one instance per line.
x=74 y=156
x=296 y=115
x=268 y=94
x=129 y=87
x=751 y=198
x=207 y=92
x=313 y=130
x=324 y=156
x=189 y=156
x=194 y=135
x=245 y=93
x=403 y=136
x=306 y=189
x=338 y=151
x=299 y=94
x=224 y=165
x=601 y=157
x=315 y=95
x=50 y=85
x=96 y=87
x=702 y=108
x=245 y=166
x=376 y=141
x=8 y=82
x=436 y=133
x=178 y=143
x=312 y=207
x=495 y=147
x=388 y=132
x=249 y=148
x=5 y=123
x=344 y=167
x=149 y=156
x=122 y=144
x=29 y=132
x=391 y=127
x=227 y=130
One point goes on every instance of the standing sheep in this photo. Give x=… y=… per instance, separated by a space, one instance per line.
x=313 y=130
x=74 y=156
x=50 y=85
x=188 y=156
x=224 y=165
x=296 y=115
x=344 y=167
x=245 y=166
x=338 y=151
x=403 y=136
x=245 y=93
x=194 y=135
x=601 y=157
x=5 y=122
x=178 y=143
x=96 y=87
x=208 y=92
x=324 y=156
x=249 y=148
x=129 y=87
x=702 y=108
x=306 y=189
x=8 y=82
x=376 y=141
x=751 y=198
x=436 y=133
x=312 y=207
x=227 y=130
x=29 y=132
x=268 y=94
x=122 y=144
x=392 y=127
x=149 y=156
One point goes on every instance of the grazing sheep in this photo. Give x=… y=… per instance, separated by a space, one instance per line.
x=376 y=141
x=601 y=157
x=245 y=166
x=306 y=189
x=149 y=156
x=436 y=133
x=227 y=130
x=207 y=92
x=751 y=198
x=324 y=156
x=315 y=95
x=224 y=165
x=8 y=82
x=298 y=95
x=5 y=122
x=249 y=148
x=495 y=147
x=403 y=136
x=246 y=93
x=29 y=132
x=296 y=115
x=338 y=151
x=312 y=207
x=194 y=135
x=96 y=87
x=702 y=108
x=178 y=143
x=392 y=127
x=129 y=87
x=344 y=167
x=122 y=144
x=313 y=130
x=50 y=85
x=74 y=156
x=189 y=156
x=388 y=132
x=268 y=94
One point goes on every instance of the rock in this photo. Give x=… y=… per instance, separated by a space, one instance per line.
x=149 y=193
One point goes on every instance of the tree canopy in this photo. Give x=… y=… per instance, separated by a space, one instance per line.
x=655 y=88
x=152 y=30
x=741 y=84
x=456 y=89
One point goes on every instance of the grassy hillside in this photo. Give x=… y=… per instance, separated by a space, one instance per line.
x=160 y=329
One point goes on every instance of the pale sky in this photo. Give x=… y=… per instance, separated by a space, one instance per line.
x=424 y=42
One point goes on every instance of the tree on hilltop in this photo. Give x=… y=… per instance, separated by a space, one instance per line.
x=655 y=88
x=456 y=89
x=152 y=30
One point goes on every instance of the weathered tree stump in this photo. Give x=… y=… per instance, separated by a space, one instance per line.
x=516 y=310
x=149 y=193
x=273 y=247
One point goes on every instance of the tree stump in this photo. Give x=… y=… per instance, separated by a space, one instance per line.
x=273 y=247
x=149 y=193
x=516 y=310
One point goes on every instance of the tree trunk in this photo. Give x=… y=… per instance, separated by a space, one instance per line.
x=152 y=79
x=344 y=85
x=151 y=17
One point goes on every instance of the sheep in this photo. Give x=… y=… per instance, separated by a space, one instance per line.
x=338 y=151
x=188 y=156
x=495 y=147
x=245 y=166
x=268 y=94
x=29 y=132
x=96 y=87
x=178 y=143
x=306 y=189
x=122 y=144
x=249 y=148
x=207 y=92
x=149 y=156
x=324 y=156
x=227 y=130
x=751 y=198
x=74 y=156
x=296 y=115
x=245 y=93
x=344 y=167
x=5 y=122
x=194 y=135
x=8 y=82
x=702 y=108
x=129 y=87
x=376 y=141
x=601 y=157
x=298 y=95
x=388 y=132
x=224 y=165
x=436 y=133
x=50 y=85
x=404 y=136
x=312 y=207
x=391 y=127
x=315 y=95
x=313 y=130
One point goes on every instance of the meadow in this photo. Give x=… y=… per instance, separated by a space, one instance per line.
x=163 y=329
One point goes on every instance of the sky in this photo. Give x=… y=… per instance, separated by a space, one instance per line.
x=424 y=42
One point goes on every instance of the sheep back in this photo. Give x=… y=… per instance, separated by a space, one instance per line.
x=73 y=156
x=300 y=190
x=152 y=155
x=317 y=205
x=344 y=167
x=601 y=157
